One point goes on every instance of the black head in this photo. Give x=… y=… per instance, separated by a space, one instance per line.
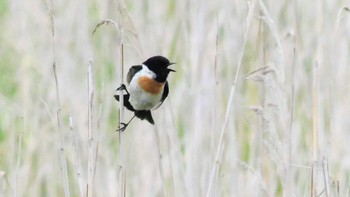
x=159 y=65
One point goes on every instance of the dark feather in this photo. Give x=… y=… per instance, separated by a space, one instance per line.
x=132 y=71
x=127 y=104
x=145 y=114
x=165 y=94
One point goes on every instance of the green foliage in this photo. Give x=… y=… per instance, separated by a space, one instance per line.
x=3 y=9
x=8 y=76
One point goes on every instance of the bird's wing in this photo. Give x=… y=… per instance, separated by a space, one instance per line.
x=132 y=71
x=165 y=94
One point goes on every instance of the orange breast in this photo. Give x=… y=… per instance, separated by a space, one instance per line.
x=150 y=85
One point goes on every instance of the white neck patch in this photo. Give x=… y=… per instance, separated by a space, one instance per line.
x=146 y=70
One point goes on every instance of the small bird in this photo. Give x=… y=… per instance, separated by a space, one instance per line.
x=148 y=88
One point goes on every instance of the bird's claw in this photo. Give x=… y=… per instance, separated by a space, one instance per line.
x=121 y=87
x=122 y=126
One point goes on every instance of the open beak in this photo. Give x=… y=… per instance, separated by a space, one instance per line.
x=171 y=70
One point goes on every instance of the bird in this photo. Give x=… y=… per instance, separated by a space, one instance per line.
x=147 y=88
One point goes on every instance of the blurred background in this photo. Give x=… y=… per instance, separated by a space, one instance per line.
x=251 y=76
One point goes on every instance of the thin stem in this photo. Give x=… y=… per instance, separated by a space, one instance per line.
x=314 y=129
x=63 y=161
x=160 y=156
x=91 y=157
x=122 y=173
x=18 y=162
x=216 y=165
x=75 y=157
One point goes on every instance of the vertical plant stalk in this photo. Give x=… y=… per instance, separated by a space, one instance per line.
x=75 y=157
x=326 y=177
x=122 y=172
x=215 y=169
x=122 y=149
x=63 y=161
x=18 y=162
x=213 y=119
x=337 y=191
x=91 y=157
x=119 y=28
x=288 y=173
x=160 y=156
x=314 y=129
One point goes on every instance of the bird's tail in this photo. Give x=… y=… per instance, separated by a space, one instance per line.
x=145 y=114
x=127 y=104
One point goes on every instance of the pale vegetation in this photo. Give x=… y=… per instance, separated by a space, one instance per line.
x=259 y=105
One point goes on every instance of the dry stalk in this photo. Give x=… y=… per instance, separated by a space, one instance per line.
x=215 y=169
x=326 y=177
x=63 y=161
x=75 y=157
x=119 y=27
x=314 y=130
x=122 y=173
x=289 y=180
x=105 y=22
x=122 y=153
x=91 y=144
x=160 y=156
x=18 y=162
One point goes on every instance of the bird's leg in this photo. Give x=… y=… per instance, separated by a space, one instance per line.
x=122 y=87
x=122 y=126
